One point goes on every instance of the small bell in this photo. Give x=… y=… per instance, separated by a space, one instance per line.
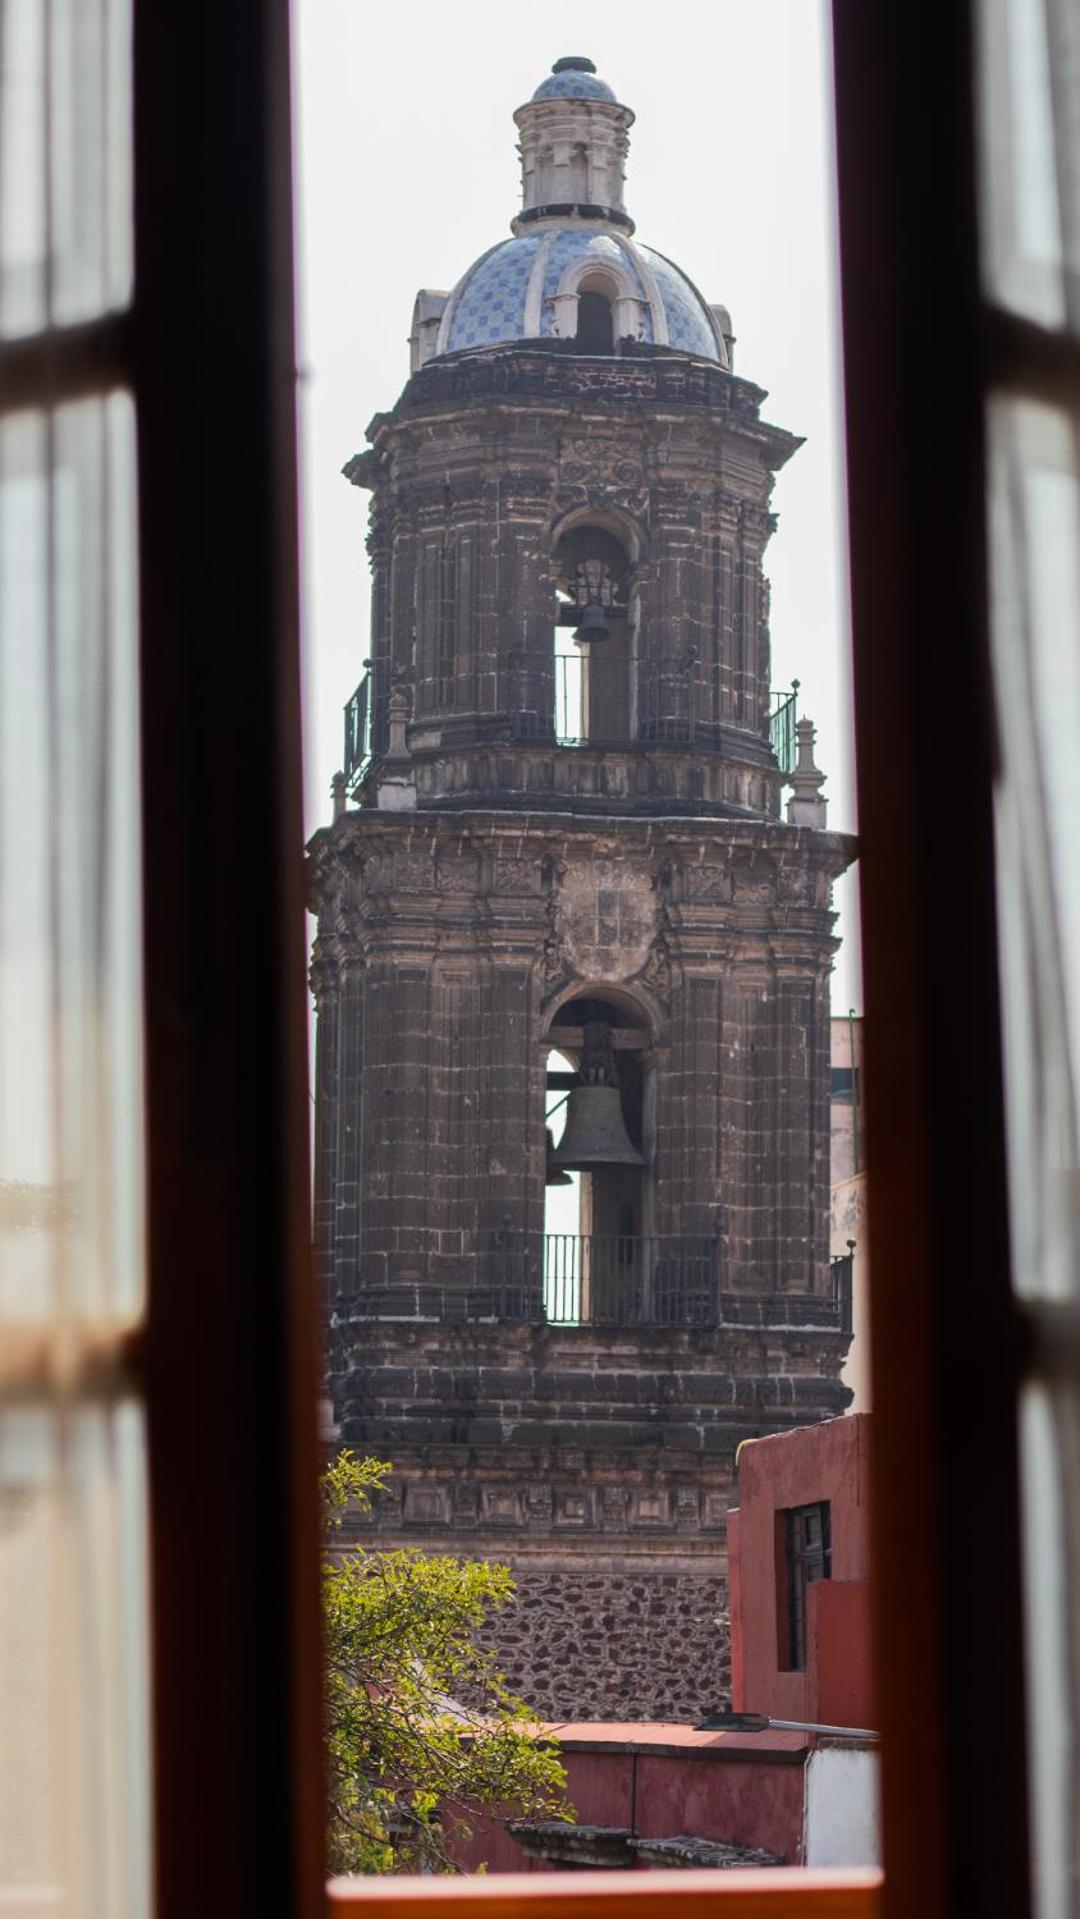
x=595 y=1132
x=593 y=625
x=554 y=1175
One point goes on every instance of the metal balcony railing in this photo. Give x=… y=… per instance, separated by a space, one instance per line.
x=843 y=1287
x=783 y=714
x=569 y=712
x=575 y=1279
x=357 y=749
x=600 y=1279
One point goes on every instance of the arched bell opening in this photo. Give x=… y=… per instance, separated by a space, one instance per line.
x=592 y=636
x=596 y=1246
x=595 y=323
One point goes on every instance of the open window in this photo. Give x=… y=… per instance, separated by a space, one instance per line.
x=596 y=322
x=224 y=1362
x=598 y=1197
x=592 y=636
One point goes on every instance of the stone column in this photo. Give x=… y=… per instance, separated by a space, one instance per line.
x=349 y=1083
x=324 y=986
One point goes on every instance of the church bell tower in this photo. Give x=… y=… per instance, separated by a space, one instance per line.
x=573 y=952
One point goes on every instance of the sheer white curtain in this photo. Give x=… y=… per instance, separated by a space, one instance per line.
x=74 y=1800
x=1030 y=180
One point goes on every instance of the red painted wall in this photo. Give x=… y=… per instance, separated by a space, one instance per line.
x=664 y=1780
x=661 y=1780
x=829 y=1461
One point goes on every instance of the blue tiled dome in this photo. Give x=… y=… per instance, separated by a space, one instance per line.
x=689 y=321
x=573 y=79
x=509 y=294
x=573 y=86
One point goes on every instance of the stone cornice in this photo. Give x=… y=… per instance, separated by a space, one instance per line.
x=652 y=382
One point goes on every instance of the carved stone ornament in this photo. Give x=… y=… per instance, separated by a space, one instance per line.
x=538 y=1504
x=710 y=884
x=464 y=1496
x=616 y=1506
x=655 y=975
x=552 y=963
x=606 y=916
x=600 y=474
x=687 y=1509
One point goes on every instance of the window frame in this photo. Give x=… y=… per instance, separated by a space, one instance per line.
x=228 y=1362
x=803 y=1563
x=225 y=1363
x=924 y=349
x=231 y=1347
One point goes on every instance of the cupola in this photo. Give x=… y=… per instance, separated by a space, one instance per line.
x=574 y=142
x=572 y=271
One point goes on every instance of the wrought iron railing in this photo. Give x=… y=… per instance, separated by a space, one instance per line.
x=569 y=706
x=783 y=714
x=601 y=1279
x=575 y=1279
x=357 y=749
x=843 y=1287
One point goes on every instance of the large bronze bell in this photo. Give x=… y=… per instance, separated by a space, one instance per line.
x=595 y=1133
x=593 y=625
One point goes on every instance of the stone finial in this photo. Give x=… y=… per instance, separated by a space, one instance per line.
x=337 y=790
x=807 y=805
x=395 y=790
x=397 y=714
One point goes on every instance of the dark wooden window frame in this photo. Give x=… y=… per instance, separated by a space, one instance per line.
x=232 y=1361
x=805 y=1559
x=925 y=348
x=229 y=1358
x=226 y=1365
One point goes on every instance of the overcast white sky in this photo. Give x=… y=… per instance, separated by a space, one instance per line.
x=408 y=171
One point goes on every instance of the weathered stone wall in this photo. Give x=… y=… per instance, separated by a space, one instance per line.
x=447 y=945
x=505 y=1419
x=645 y=1643
x=475 y=471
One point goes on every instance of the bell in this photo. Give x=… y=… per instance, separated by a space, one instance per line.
x=554 y=1176
x=593 y=625
x=595 y=1132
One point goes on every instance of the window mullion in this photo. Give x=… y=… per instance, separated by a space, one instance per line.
x=67 y=363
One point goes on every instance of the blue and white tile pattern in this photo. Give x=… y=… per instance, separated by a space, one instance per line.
x=489 y=305
x=689 y=325
x=573 y=86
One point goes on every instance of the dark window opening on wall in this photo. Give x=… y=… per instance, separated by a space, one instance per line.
x=592 y=637
x=808 y=1549
x=844 y=1085
x=596 y=327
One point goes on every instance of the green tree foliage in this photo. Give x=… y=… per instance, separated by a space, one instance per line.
x=409 y=1763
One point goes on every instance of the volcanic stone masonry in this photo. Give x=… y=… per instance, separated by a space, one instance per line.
x=565 y=859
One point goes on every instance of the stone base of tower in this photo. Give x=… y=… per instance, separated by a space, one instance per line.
x=606 y=1624
x=629 y=1635
x=598 y=1464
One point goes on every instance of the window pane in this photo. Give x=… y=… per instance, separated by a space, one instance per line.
x=70 y=1066
x=74 y=1815
x=1030 y=128
x=65 y=181
x=1036 y=655
x=1050 y=1468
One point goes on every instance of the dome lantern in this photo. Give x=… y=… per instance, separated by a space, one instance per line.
x=574 y=142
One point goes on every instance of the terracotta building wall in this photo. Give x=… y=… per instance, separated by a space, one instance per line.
x=829 y=1462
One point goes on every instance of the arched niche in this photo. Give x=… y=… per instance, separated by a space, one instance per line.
x=593 y=569
x=613 y=284
x=595 y=322
x=598 y=1230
